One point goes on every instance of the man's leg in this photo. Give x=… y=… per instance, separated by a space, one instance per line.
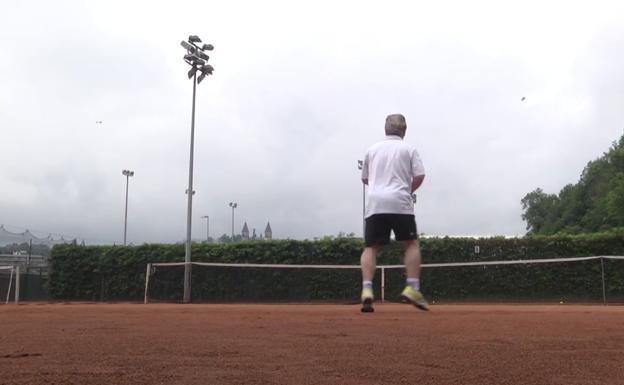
x=412 y=259
x=368 y=261
x=376 y=234
x=412 y=293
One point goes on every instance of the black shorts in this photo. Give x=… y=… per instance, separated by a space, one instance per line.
x=378 y=228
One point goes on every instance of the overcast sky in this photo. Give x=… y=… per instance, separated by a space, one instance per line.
x=300 y=90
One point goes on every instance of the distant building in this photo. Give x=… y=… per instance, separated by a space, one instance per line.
x=245 y=232
x=268 y=232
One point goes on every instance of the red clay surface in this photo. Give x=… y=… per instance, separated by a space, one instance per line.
x=310 y=344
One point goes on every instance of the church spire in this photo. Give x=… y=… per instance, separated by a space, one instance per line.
x=245 y=232
x=268 y=232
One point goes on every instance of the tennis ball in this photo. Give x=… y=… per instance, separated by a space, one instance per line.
x=561 y=302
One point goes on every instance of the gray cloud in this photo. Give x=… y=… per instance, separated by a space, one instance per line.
x=299 y=93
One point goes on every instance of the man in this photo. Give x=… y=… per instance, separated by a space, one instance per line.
x=393 y=171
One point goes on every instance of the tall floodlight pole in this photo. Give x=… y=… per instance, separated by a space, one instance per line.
x=207 y=227
x=198 y=60
x=360 y=164
x=127 y=174
x=233 y=205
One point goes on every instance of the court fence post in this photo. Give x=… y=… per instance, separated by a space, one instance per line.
x=383 y=284
x=604 y=291
x=17 y=284
x=147 y=275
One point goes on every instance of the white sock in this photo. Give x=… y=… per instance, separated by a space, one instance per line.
x=367 y=284
x=414 y=283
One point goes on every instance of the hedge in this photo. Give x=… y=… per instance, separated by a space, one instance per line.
x=118 y=272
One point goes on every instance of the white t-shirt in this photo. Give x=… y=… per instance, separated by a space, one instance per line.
x=390 y=167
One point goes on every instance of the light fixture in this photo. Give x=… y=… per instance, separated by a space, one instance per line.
x=203 y=55
x=207 y=69
x=198 y=61
x=188 y=46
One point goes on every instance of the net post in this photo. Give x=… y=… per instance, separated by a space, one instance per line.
x=17 y=284
x=604 y=291
x=10 y=284
x=383 y=284
x=147 y=275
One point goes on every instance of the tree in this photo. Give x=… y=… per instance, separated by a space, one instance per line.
x=226 y=238
x=36 y=249
x=209 y=240
x=540 y=209
x=595 y=203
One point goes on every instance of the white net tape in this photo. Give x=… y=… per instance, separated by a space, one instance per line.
x=424 y=265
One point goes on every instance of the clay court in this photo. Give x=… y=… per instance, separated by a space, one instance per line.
x=310 y=344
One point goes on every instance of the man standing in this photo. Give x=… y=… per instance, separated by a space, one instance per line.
x=393 y=171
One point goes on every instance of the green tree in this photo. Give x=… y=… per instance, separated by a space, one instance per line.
x=226 y=238
x=24 y=246
x=540 y=209
x=595 y=203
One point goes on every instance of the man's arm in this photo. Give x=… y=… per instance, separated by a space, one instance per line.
x=417 y=181
x=417 y=169
x=365 y=169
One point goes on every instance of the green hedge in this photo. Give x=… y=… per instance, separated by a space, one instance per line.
x=118 y=273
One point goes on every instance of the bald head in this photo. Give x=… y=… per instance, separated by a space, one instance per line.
x=396 y=125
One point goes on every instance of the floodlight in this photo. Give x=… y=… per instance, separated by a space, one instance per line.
x=188 y=46
x=207 y=47
x=201 y=77
x=207 y=69
x=203 y=55
x=198 y=61
x=194 y=39
x=193 y=59
x=192 y=72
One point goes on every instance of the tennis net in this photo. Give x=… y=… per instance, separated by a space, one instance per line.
x=598 y=279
